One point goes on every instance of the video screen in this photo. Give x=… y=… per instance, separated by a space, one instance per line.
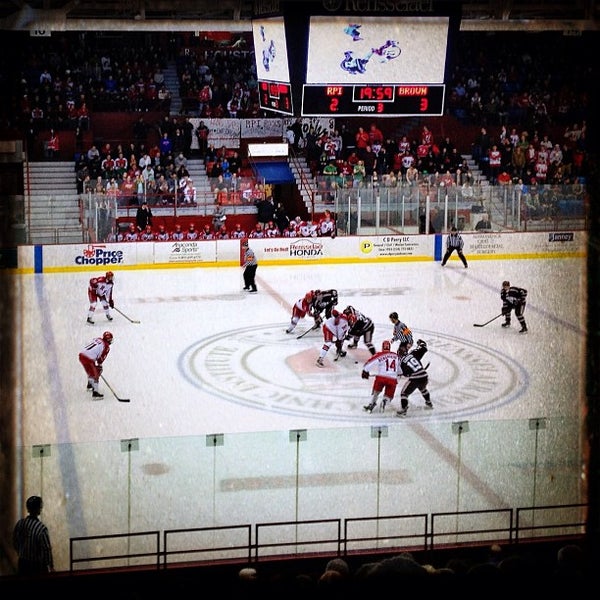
x=271 y=50
x=377 y=49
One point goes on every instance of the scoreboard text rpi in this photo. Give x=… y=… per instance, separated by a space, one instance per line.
x=346 y=100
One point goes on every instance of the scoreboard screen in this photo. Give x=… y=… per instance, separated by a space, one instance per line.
x=275 y=96
x=373 y=99
x=379 y=66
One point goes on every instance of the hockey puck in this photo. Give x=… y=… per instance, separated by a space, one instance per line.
x=355 y=362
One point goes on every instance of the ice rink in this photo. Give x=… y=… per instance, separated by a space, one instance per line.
x=207 y=357
x=209 y=361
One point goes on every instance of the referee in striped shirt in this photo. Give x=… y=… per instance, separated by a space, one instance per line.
x=250 y=265
x=32 y=541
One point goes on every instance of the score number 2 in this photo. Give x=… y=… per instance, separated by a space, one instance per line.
x=334 y=105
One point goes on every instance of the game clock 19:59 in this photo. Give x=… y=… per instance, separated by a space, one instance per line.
x=380 y=100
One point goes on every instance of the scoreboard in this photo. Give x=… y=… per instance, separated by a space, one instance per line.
x=275 y=96
x=387 y=100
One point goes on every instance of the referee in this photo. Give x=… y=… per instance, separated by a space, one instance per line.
x=250 y=265
x=454 y=242
x=32 y=541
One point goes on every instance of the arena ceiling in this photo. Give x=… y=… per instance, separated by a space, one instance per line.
x=235 y=14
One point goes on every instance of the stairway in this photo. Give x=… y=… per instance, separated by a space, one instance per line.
x=305 y=183
x=53 y=214
x=485 y=192
x=172 y=84
x=197 y=171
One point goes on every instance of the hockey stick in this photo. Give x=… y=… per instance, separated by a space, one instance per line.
x=113 y=391
x=487 y=322
x=339 y=353
x=307 y=331
x=123 y=314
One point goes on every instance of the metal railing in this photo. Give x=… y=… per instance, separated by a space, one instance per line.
x=341 y=537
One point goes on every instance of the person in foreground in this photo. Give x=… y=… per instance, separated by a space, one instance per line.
x=31 y=541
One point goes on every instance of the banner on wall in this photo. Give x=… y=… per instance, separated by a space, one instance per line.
x=229 y=132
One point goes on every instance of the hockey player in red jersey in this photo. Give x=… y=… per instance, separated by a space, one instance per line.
x=92 y=357
x=385 y=364
x=100 y=289
x=335 y=330
x=301 y=308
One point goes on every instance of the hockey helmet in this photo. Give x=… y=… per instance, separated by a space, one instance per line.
x=107 y=336
x=335 y=313
x=349 y=310
x=506 y=284
x=386 y=346
x=403 y=349
x=309 y=297
x=109 y=275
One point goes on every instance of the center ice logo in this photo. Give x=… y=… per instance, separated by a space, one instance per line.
x=262 y=368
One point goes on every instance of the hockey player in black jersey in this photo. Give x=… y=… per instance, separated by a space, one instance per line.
x=360 y=326
x=513 y=298
x=412 y=367
x=323 y=300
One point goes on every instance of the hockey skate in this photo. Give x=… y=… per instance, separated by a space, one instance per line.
x=369 y=407
x=89 y=320
x=89 y=387
x=402 y=412
x=523 y=329
x=506 y=324
x=383 y=405
x=320 y=362
x=109 y=317
x=97 y=395
x=428 y=405
x=353 y=345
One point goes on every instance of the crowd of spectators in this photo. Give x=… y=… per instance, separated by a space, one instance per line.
x=58 y=83
x=530 y=108
x=217 y=84
x=460 y=572
x=502 y=155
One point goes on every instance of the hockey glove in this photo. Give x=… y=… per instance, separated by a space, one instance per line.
x=111 y=303
x=100 y=369
x=365 y=374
